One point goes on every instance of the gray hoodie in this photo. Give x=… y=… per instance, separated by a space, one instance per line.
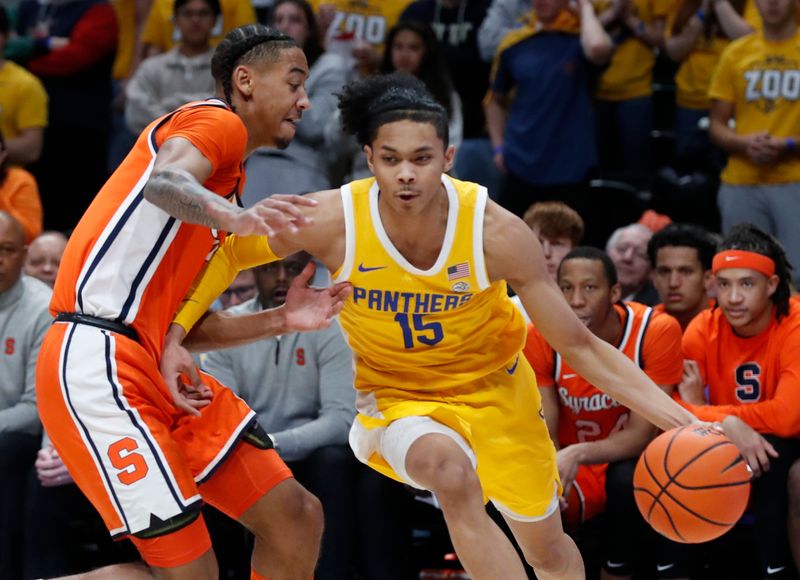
x=24 y=319
x=301 y=385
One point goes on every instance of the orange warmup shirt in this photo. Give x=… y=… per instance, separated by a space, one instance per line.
x=756 y=378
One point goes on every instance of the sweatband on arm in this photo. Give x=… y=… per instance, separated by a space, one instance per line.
x=236 y=253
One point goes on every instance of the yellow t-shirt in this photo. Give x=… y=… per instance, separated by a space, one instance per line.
x=23 y=100
x=762 y=80
x=161 y=32
x=368 y=20
x=630 y=73
x=126 y=17
x=694 y=75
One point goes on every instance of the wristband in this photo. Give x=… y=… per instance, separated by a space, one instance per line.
x=498 y=150
x=791 y=145
x=701 y=15
x=274 y=442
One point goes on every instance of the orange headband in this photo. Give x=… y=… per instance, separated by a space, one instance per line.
x=743 y=259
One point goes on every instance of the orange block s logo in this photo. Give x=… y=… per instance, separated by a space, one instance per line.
x=132 y=466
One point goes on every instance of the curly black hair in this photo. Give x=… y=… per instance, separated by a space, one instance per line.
x=749 y=238
x=685 y=235
x=368 y=104
x=245 y=45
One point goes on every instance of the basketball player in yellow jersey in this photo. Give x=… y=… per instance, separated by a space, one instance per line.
x=446 y=402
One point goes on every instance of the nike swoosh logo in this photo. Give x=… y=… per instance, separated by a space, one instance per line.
x=771 y=570
x=662 y=567
x=569 y=376
x=363 y=268
x=731 y=259
x=513 y=367
x=611 y=564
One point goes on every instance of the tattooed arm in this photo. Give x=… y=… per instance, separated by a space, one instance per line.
x=175 y=186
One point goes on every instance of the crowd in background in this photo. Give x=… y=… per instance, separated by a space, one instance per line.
x=601 y=122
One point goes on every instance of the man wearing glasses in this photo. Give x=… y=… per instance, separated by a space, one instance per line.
x=242 y=289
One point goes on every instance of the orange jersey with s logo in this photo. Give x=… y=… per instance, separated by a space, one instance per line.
x=755 y=378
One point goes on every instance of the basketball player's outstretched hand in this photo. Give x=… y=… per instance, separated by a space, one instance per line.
x=268 y=217
x=754 y=448
x=183 y=379
x=309 y=308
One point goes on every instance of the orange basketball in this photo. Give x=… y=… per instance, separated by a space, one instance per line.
x=691 y=484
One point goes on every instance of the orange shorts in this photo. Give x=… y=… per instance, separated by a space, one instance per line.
x=136 y=457
x=587 y=498
x=244 y=477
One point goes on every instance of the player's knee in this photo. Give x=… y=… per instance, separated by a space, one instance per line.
x=550 y=557
x=301 y=510
x=310 y=512
x=450 y=478
x=306 y=510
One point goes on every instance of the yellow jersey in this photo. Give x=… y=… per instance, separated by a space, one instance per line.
x=444 y=343
x=762 y=80
x=429 y=330
x=23 y=100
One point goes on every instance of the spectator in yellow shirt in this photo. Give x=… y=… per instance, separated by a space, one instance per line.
x=698 y=33
x=358 y=27
x=23 y=107
x=757 y=84
x=160 y=33
x=624 y=92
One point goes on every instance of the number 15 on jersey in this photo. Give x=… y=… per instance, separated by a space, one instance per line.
x=416 y=329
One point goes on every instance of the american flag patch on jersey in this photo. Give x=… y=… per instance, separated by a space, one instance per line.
x=458 y=271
